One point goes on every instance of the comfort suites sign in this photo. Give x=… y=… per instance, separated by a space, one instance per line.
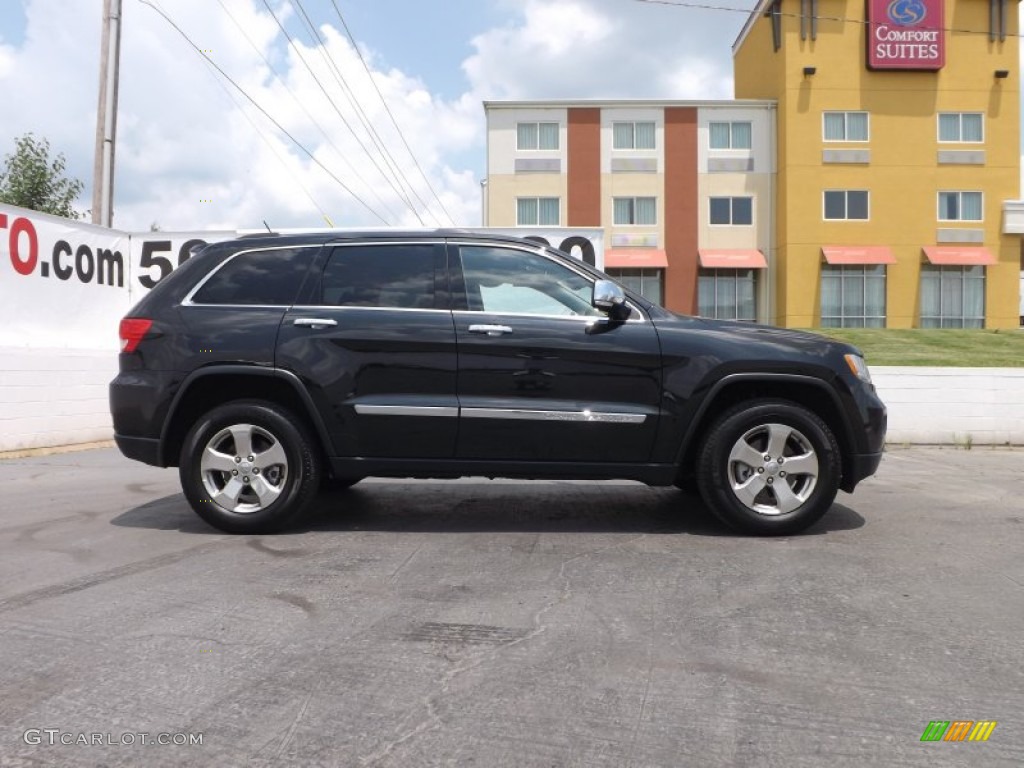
x=906 y=34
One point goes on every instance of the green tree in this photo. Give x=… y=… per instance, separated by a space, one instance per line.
x=31 y=179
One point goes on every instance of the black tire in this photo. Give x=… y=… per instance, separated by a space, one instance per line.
x=266 y=502
x=745 y=496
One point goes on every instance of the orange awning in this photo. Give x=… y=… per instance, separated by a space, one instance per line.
x=625 y=258
x=959 y=257
x=732 y=258
x=858 y=254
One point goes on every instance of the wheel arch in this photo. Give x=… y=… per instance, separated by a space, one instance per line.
x=808 y=391
x=207 y=388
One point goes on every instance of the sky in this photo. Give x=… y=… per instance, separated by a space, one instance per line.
x=193 y=152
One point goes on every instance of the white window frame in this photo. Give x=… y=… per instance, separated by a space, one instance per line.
x=732 y=217
x=731 y=124
x=634 y=123
x=537 y=124
x=846 y=130
x=650 y=278
x=960 y=116
x=845 y=274
x=963 y=277
x=634 y=198
x=712 y=275
x=536 y=200
x=847 y=206
x=959 y=204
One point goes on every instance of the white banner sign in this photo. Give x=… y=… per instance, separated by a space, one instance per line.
x=67 y=284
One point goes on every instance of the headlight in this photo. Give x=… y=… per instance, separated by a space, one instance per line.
x=858 y=367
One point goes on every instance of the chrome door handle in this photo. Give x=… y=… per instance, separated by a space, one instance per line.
x=490 y=330
x=315 y=322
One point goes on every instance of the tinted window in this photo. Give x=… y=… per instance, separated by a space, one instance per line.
x=511 y=281
x=258 y=277
x=399 y=276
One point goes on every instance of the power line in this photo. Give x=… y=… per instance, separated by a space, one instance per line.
x=349 y=94
x=266 y=114
x=312 y=119
x=270 y=146
x=340 y=114
x=793 y=15
x=394 y=122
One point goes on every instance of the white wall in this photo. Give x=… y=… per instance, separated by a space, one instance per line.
x=59 y=397
x=983 y=406
x=54 y=396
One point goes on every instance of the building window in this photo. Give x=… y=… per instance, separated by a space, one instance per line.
x=634 y=210
x=735 y=211
x=635 y=135
x=960 y=206
x=952 y=297
x=845 y=126
x=846 y=204
x=537 y=136
x=726 y=294
x=537 y=212
x=647 y=282
x=853 y=296
x=729 y=135
x=961 y=127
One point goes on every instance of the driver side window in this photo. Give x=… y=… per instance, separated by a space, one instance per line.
x=510 y=281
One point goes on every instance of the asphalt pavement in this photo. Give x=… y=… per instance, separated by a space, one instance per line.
x=502 y=623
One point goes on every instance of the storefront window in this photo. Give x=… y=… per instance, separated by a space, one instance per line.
x=726 y=294
x=647 y=282
x=952 y=297
x=853 y=296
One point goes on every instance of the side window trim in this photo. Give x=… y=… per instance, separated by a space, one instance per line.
x=314 y=297
x=188 y=300
x=457 y=280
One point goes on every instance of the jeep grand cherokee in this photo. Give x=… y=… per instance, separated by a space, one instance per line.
x=266 y=365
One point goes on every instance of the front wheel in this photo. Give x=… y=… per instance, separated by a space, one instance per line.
x=249 y=467
x=769 y=467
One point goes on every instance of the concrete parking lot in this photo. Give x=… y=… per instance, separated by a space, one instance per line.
x=498 y=623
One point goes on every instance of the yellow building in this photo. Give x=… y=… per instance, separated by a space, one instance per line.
x=898 y=143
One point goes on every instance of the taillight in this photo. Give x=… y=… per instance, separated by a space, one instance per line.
x=132 y=331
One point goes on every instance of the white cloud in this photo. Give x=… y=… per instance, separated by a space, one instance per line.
x=6 y=61
x=605 y=49
x=186 y=137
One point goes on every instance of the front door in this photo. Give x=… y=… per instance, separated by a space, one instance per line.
x=543 y=375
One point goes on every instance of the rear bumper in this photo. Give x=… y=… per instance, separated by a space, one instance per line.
x=144 y=449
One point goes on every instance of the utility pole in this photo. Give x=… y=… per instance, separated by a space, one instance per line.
x=106 y=115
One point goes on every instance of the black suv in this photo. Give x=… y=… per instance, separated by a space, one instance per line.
x=268 y=364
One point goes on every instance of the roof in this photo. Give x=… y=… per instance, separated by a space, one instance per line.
x=759 y=10
x=627 y=103
x=291 y=236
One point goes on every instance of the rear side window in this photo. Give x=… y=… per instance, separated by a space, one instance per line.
x=395 y=276
x=272 y=277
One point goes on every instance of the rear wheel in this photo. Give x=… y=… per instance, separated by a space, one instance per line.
x=769 y=467
x=249 y=467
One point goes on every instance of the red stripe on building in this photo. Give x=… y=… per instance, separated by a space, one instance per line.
x=681 y=204
x=583 y=167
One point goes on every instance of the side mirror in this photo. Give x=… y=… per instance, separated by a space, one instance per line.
x=608 y=297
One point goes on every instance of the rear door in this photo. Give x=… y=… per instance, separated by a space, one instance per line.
x=375 y=345
x=543 y=376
